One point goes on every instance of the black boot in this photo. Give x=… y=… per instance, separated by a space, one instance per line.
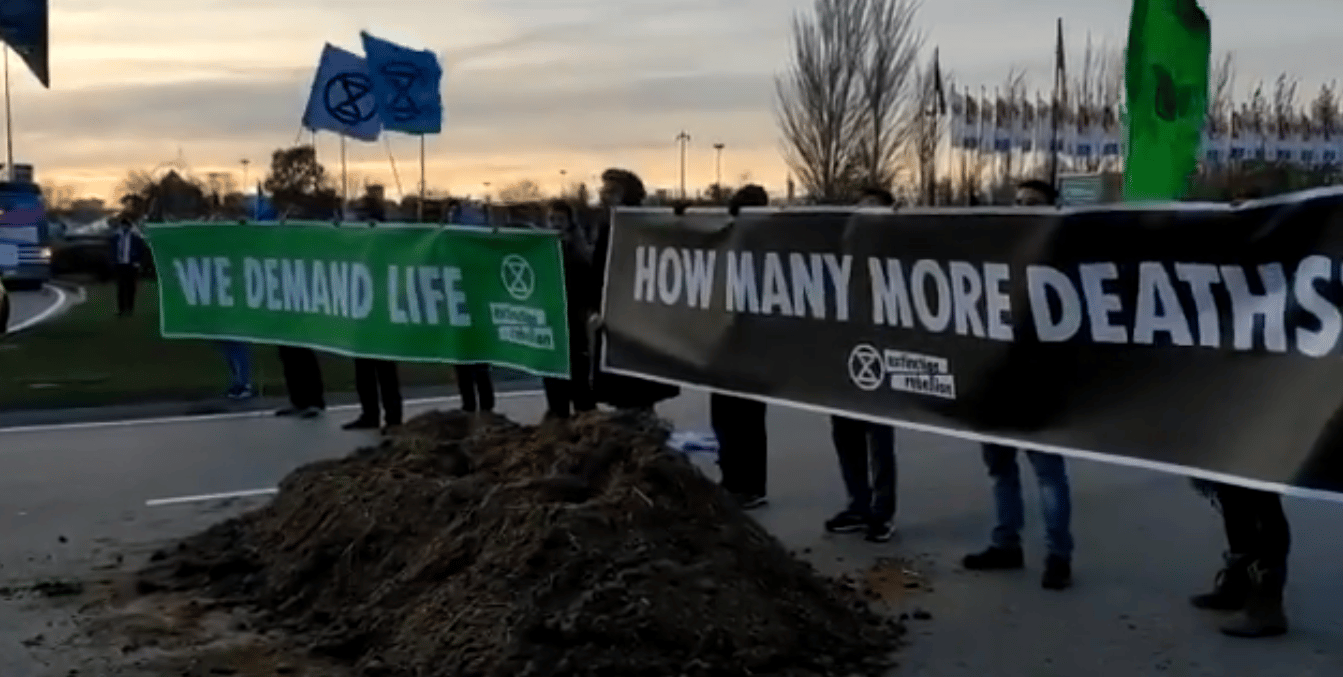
x=1263 y=615
x=1230 y=588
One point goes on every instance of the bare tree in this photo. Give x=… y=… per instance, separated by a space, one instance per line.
x=844 y=103
x=525 y=190
x=890 y=89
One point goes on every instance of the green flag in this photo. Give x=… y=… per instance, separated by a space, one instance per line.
x=1167 y=80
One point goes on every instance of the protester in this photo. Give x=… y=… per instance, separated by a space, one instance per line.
x=1050 y=472
x=866 y=454
x=128 y=250
x=476 y=387
x=1254 y=573
x=239 y=359
x=738 y=422
x=303 y=380
x=564 y=396
x=1258 y=539
x=376 y=380
x=620 y=188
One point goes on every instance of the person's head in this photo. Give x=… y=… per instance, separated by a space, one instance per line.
x=750 y=195
x=124 y=222
x=876 y=197
x=622 y=188
x=559 y=215
x=1036 y=193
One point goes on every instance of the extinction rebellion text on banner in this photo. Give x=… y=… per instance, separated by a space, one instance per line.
x=1176 y=337
x=395 y=292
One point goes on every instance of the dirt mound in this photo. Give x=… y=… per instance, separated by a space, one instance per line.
x=580 y=549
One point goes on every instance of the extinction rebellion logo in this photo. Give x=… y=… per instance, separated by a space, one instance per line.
x=522 y=325
x=870 y=369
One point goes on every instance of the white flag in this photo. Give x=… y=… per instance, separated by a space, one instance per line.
x=342 y=98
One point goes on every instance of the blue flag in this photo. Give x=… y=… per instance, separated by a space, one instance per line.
x=342 y=99
x=23 y=26
x=407 y=85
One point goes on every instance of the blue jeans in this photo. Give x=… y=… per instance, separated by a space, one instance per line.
x=239 y=358
x=1051 y=474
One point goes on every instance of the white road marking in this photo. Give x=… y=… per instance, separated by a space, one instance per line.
x=262 y=413
x=54 y=308
x=208 y=497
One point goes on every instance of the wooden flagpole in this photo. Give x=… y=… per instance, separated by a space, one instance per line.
x=420 y=215
x=9 y=121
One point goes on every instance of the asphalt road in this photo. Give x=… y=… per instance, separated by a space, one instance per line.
x=33 y=307
x=73 y=499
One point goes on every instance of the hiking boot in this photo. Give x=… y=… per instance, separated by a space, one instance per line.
x=846 y=522
x=1229 y=589
x=880 y=531
x=1263 y=615
x=995 y=559
x=361 y=423
x=1058 y=573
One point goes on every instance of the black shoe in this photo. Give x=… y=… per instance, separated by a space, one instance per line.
x=360 y=423
x=1058 y=573
x=751 y=501
x=880 y=531
x=995 y=559
x=311 y=412
x=1230 y=589
x=290 y=411
x=846 y=522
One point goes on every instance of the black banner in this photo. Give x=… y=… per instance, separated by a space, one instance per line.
x=1201 y=339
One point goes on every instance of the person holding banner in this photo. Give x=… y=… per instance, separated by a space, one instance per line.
x=303 y=380
x=738 y=422
x=866 y=454
x=376 y=380
x=1050 y=472
x=1258 y=540
x=574 y=394
x=620 y=188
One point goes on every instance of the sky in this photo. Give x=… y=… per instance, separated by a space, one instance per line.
x=548 y=90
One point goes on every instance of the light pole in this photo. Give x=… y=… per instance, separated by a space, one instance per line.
x=718 y=166
x=245 y=162
x=683 y=138
x=563 y=188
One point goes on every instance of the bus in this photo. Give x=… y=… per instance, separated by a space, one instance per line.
x=25 y=236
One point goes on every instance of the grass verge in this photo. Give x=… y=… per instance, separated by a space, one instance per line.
x=90 y=357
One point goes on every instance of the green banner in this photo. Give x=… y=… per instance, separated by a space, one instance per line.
x=1167 y=81
x=399 y=292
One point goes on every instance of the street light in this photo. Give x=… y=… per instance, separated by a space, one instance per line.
x=718 y=166
x=563 y=187
x=245 y=162
x=683 y=138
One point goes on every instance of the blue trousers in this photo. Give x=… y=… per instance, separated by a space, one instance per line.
x=1051 y=473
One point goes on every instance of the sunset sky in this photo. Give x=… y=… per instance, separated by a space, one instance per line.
x=533 y=87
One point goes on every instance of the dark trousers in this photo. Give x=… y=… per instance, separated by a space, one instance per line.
x=867 y=462
x=564 y=396
x=128 y=279
x=1255 y=524
x=739 y=425
x=473 y=380
x=302 y=377
x=377 y=381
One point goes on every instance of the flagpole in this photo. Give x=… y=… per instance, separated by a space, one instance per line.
x=420 y=216
x=344 y=180
x=1058 y=110
x=9 y=121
